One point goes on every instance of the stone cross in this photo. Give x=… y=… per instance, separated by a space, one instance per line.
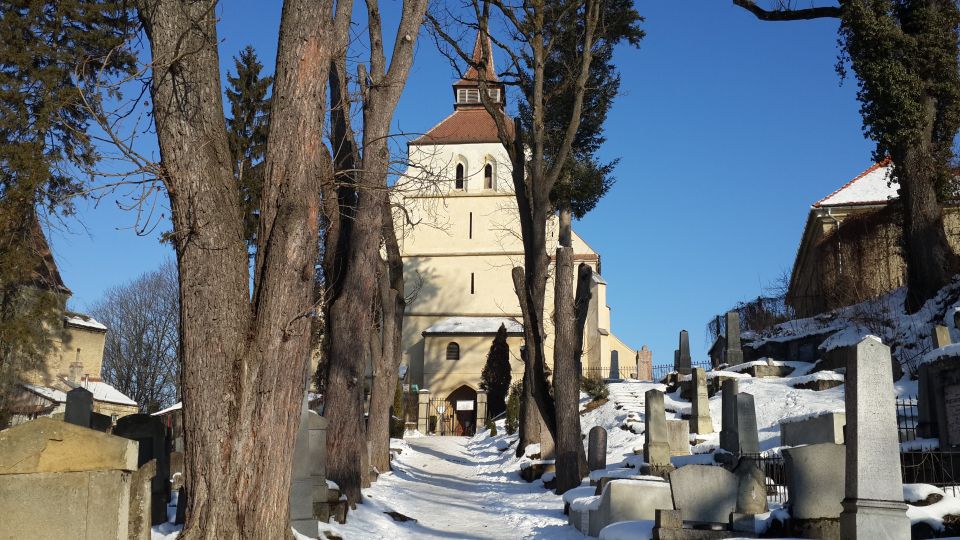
x=733 y=354
x=873 y=506
x=656 y=446
x=700 y=421
x=79 y=407
x=728 y=416
x=683 y=355
x=941 y=336
x=597 y=449
x=645 y=364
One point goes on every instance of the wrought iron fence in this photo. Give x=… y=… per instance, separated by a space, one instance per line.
x=935 y=467
x=610 y=372
x=907 y=418
x=661 y=371
x=774 y=472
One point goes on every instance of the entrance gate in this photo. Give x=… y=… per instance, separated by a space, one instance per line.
x=446 y=418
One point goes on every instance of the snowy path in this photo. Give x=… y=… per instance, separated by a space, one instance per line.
x=455 y=488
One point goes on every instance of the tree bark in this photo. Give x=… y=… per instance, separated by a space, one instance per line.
x=571 y=463
x=244 y=360
x=929 y=258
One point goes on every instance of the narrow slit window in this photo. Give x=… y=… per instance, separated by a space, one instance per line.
x=470 y=232
x=472 y=289
x=459 y=180
x=488 y=176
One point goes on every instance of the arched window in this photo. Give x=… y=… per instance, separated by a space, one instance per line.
x=453 y=351
x=459 y=181
x=488 y=177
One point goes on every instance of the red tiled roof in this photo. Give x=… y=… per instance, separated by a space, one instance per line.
x=474 y=125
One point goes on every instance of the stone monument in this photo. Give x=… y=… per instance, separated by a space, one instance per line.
x=873 y=506
x=645 y=364
x=700 y=421
x=733 y=354
x=597 y=449
x=684 y=361
x=656 y=446
x=79 y=410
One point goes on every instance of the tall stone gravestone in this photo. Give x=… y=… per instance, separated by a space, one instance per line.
x=684 y=360
x=938 y=400
x=873 y=506
x=738 y=434
x=733 y=354
x=308 y=484
x=700 y=421
x=645 y=364
x=656 y=447
x=728 y=415
x=151 y=437
x=597 y=448
x=79 y=411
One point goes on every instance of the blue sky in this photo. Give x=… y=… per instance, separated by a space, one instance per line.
x=727 y=130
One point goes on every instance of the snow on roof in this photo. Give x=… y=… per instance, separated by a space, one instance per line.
x=50 y=393
x=873 y=186
x=474 y=325
x=86 y=321
x=104 y=392
x=175 y=407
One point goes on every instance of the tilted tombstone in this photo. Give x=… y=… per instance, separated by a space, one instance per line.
x=700 y=421
x=873 y=506
x=704 y=493
x=728 y=415
x=656 y=447
x=733 y=354
x=151 y=436
x=79 y=411
x=684 y=361
x=597 y=448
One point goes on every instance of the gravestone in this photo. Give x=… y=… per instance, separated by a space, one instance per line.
x=60 y=480
x=684 y=361
x=309 y=500
x=597 y=449
x=748 y=440
x=656 y=447
x=704 y=493
x=629 y=500
x=151 y=436
x=615 y=365
x=941 y=336
x=678 y=434
x=815 y=477
x=873 y=506
x=700 y=421
x=79 y=411
x=938 y=401
x=728 y=415
x=645 y=364
x=751 y=487
x=733 y=354
x=823 y=428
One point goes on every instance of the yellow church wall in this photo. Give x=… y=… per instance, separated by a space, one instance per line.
x=442 y=376
x=78 y=345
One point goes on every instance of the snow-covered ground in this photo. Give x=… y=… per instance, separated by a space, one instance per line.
x=457 y=487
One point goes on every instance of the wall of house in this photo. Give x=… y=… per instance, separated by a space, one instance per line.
x=81 y=345
x=851 y=255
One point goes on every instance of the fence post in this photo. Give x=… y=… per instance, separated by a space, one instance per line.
x=481 y=410
x=423 y=411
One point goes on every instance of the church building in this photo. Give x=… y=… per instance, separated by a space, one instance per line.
x=459 y=238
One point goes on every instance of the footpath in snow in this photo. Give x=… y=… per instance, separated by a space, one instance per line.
x=457 y=487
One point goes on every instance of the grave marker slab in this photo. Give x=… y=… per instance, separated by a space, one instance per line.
x=733 y=353
x=79 y=409
x=656 y=447
x=597 y=448
x=684 y=360
x=700 y=421
x=703 y=493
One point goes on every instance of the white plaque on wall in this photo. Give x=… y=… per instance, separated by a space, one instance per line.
x=466 y=405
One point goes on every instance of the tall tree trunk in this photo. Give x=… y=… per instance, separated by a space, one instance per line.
x=929 y=258
x=244 y=360
x=570 y=461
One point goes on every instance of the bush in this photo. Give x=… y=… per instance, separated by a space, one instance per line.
x=495 y=378
x=594 y=387
x=513 y=408
x=492 y=426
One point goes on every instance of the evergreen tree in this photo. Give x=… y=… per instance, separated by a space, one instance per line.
x=247 y=132
x=495 y=378
x=49 y=50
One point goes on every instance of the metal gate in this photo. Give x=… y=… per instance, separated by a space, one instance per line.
x=441 y=419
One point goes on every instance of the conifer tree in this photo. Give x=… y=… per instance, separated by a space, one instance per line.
x=247 y=131
x=495 y=378
x=46 y=50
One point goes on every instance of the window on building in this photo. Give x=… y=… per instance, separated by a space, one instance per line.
x=453 y=351
x=459 y=180
x=488 y=176
x=468 y=95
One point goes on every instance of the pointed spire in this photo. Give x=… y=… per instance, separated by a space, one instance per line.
x=490 y=72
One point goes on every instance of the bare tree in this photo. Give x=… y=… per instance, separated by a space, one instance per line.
x=357 y=207
x=245 y=339
x=142 y=351
x=905 y=57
